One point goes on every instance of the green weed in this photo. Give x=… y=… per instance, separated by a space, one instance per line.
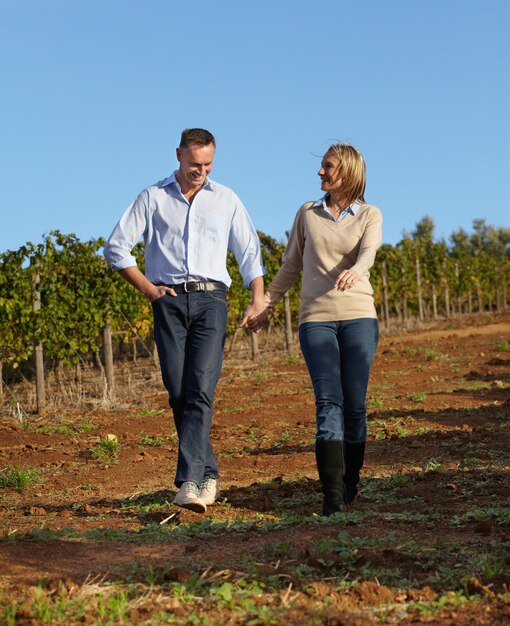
x=148 y=440
x=146 y=412
x=291 y=359
x=434 y=355
x=106 y=450
x=279 y=443
x=418 y=396
x=375 y=403
x=16 y=477
x=434 y=466
x=500 y=515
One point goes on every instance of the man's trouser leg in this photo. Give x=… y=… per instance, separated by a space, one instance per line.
x=190 y=332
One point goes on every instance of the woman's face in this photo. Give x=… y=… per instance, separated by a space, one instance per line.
x=329 y=173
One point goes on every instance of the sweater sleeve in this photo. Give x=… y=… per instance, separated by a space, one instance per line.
x=292 y=262
x=370 y=242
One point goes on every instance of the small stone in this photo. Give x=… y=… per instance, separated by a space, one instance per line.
x=36 y=511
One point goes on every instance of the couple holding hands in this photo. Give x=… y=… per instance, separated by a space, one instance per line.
x=188 y=223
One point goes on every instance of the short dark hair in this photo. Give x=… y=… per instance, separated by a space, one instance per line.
x=196 y=135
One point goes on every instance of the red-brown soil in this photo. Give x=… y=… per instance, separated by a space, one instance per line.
x=437 y=470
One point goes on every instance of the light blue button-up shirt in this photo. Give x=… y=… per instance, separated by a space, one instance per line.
x=349 y=210
x=183 y=241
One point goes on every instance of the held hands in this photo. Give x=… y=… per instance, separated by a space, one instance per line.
x=254 y=317
x=257 y=323
x=346 y=280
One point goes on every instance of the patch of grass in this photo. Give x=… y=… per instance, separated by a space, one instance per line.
x=106 y=450
x=500 y=515
x=476 y=385
x=503 y=346
x=282 y=440
x=434 y=466
x=16 y=477
x=417 y=396
x=148 y=440
x=147 y=412
x=434 y=355
x=251 y=436
x=70 y=427
x=408 y=517
x=52 y=430
x=375 y=403
x=291 y=359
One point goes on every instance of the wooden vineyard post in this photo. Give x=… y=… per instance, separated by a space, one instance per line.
x=108 y=354
x=40 y=391
x=418 y=286
x=254 y=346
x=446 y=291
x=385 y=296
x=405 y=315
x=434 y=301
x=457 y=280
x=289 y=341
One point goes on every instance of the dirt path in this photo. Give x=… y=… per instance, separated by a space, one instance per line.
x=426 y=542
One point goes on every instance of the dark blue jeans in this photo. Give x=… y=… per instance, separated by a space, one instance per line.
x=190 y=331
x=339 y=356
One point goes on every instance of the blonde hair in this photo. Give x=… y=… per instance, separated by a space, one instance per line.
x=351 y=170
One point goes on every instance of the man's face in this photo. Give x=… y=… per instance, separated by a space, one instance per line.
x=195 y=164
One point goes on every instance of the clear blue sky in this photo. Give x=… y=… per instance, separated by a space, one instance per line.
x=95 y=94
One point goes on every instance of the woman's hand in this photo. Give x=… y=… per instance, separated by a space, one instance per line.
x=346 y=280
x=257 y=322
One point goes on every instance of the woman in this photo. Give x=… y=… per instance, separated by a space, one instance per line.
x=334 y=242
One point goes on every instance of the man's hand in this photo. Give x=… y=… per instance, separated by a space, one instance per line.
x=346 y=280
x=159 y=291
x=136 y=278
x=257 y=305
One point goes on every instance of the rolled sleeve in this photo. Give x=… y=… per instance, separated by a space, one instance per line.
x=126 y=234
x=245 y=244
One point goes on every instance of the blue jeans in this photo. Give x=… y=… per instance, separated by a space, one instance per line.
x=190 y=331
x=339 y=356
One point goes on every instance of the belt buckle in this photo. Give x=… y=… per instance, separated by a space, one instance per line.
x=195 y=287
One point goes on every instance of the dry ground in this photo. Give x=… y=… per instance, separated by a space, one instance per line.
x=426 y=542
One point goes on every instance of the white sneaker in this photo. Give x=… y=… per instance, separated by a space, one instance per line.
x=188 y=497
x=209 y=490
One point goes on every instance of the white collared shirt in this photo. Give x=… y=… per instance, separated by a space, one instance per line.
x=183 y=241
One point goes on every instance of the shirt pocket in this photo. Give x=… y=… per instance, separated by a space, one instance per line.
x=215 y=227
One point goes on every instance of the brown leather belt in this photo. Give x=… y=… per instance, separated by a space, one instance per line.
x=194 y=287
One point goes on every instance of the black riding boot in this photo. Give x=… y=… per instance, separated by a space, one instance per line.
x=354 y=456
x=330 y=463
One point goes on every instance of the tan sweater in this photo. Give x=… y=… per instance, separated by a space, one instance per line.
x=322 y=248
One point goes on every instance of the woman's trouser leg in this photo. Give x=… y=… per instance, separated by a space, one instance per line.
x=320 y=349
x=357 y=342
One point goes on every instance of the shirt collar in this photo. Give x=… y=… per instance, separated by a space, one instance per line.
x=171 y=180
x=352 y=208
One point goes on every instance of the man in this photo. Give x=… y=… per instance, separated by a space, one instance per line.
x=188 y=223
